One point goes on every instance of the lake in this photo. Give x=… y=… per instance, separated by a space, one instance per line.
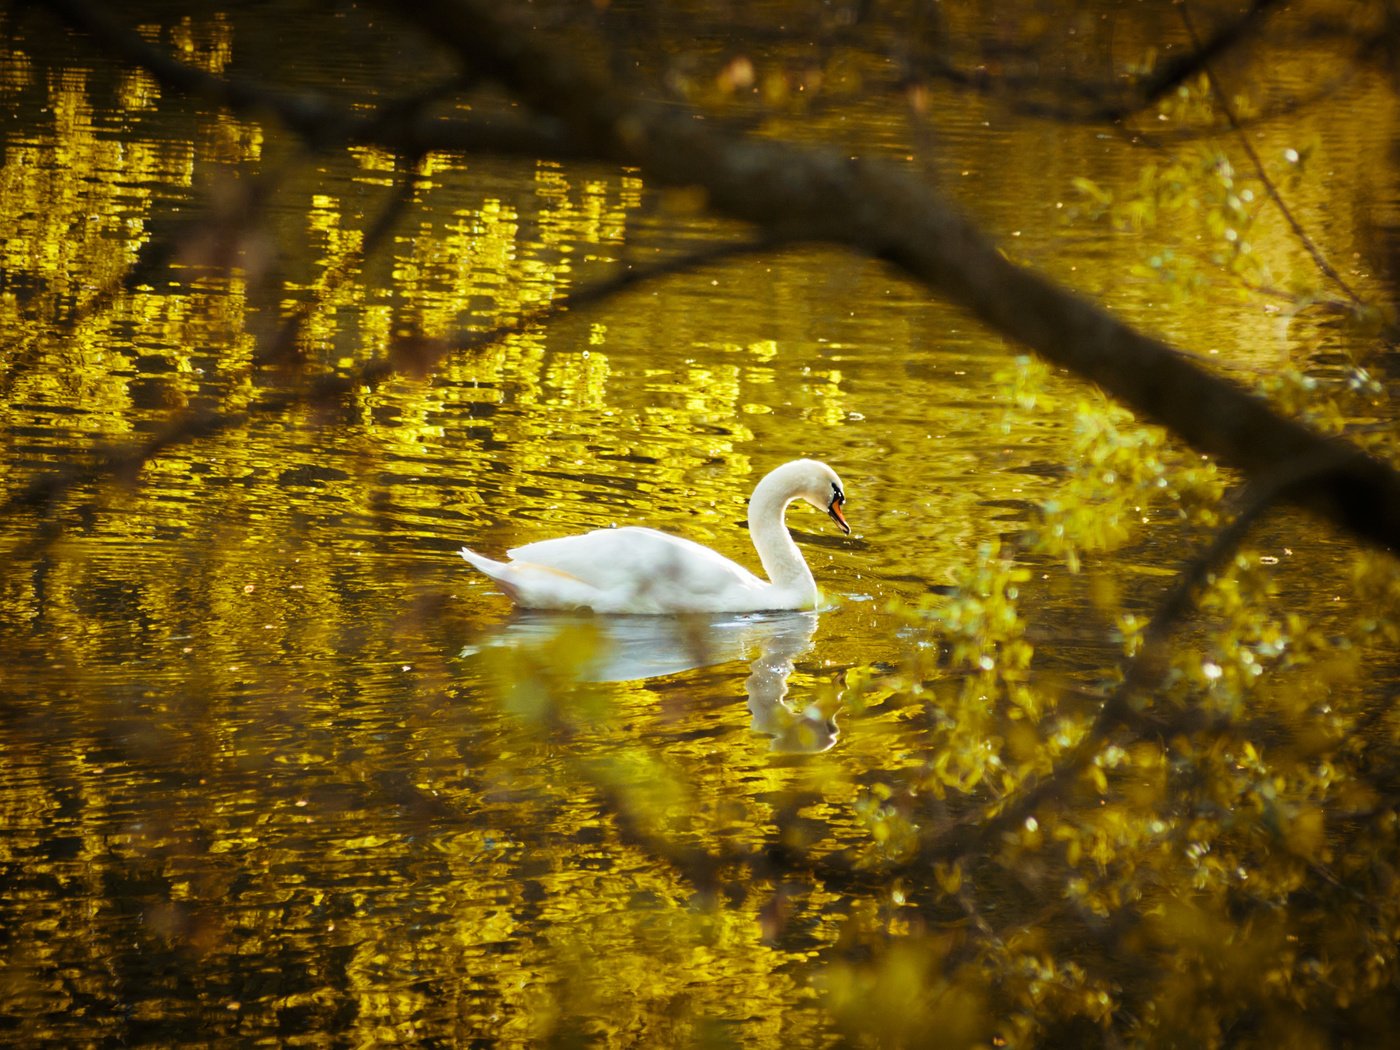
x=279 y=768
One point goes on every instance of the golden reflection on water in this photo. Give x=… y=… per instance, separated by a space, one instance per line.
x=255 y=789
x=252 y=791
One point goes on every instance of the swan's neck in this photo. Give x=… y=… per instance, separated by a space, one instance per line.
x=781 y=559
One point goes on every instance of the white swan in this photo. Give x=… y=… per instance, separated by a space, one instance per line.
x=639 y=570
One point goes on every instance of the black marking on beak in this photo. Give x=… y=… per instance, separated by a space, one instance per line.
x=834 y=508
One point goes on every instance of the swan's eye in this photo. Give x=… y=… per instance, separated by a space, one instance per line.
x=837 y=496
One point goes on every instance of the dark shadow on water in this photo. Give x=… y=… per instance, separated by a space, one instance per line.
x=634 y=648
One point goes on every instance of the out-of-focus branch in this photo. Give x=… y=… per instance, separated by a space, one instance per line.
x=806 y=194
x=314 y=118
x=917 y=53
x=410 y=357
x=1145 y=669
x=1098 y=103
x=400 y=125
x=1075 y=101
x=1118 y=720
x=818 y=195
x=1174 y=72
x=405 y=126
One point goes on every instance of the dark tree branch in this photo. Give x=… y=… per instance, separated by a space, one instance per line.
x=1174 y=72
x=1117 y=714
x=810 y=194
x=411 y=357
x=1100 y=103
x=403 y=126
x=1093 y=103
x=913 y=53
x=1145 y=669
x=814 y=195
x=313 y=118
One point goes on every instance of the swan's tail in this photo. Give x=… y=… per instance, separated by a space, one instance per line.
x=498 y=570
x=486 y=565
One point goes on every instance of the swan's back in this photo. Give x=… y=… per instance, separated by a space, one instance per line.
x=631 y=570
x=613 y=558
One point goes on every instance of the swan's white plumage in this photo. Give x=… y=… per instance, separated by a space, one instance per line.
x=641 y=570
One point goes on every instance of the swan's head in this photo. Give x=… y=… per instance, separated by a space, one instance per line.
x=820 y=487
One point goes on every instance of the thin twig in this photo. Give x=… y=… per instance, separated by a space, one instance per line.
x=1223 y=101
x=1145 y=668
x=1093 y=103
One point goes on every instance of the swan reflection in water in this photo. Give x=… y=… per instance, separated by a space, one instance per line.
x=639 y=647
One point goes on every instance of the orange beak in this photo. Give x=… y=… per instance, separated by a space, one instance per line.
x=834 y=509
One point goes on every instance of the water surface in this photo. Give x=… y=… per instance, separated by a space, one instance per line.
x=279 y=767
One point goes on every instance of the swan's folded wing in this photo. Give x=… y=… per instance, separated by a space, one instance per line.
x=638 y=559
